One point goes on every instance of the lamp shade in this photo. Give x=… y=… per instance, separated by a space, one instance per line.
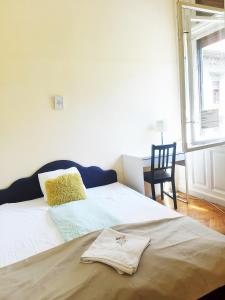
x=160 y=126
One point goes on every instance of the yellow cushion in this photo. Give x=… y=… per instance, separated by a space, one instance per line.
x=64 y=188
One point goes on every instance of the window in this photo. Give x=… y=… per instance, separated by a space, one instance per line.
x=211 y=69
x=215 y=3
x=202 y=62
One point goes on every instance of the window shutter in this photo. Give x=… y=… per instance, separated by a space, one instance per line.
x=217 y=36
x=215 y=3
x=211 y=39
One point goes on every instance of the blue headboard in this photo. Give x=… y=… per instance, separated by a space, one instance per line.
x=28 y=188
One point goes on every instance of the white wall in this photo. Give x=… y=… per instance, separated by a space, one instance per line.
x=114 y=61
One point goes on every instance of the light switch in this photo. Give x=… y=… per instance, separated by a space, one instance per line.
x=58 y=102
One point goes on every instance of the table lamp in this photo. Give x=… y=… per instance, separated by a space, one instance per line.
x=160 y=126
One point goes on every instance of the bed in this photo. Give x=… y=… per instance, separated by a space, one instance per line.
x=30 y=242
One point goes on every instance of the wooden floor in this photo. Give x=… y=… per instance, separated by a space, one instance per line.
x=204 y=212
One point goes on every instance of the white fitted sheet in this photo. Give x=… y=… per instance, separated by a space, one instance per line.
x=27 y=229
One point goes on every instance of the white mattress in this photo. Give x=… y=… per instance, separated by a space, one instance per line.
x=27 y=229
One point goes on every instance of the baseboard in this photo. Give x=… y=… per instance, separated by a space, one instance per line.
x=207 y=197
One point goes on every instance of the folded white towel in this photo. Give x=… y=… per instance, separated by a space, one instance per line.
x=118 y=250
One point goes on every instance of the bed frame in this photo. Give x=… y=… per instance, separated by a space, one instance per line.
x=28 y=188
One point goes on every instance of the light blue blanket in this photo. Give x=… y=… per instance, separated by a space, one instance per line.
x=78 y=218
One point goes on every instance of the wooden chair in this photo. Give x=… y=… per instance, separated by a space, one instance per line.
x=162 y=169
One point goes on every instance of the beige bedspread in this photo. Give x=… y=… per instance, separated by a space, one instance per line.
x=184 y=261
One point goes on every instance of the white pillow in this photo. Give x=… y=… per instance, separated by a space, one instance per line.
x=43 y=177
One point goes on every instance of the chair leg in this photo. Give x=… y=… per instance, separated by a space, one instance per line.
x=174 y=194
x=153 y=191
x=161 y=187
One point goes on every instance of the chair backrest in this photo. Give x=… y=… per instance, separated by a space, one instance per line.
x=163 y=158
